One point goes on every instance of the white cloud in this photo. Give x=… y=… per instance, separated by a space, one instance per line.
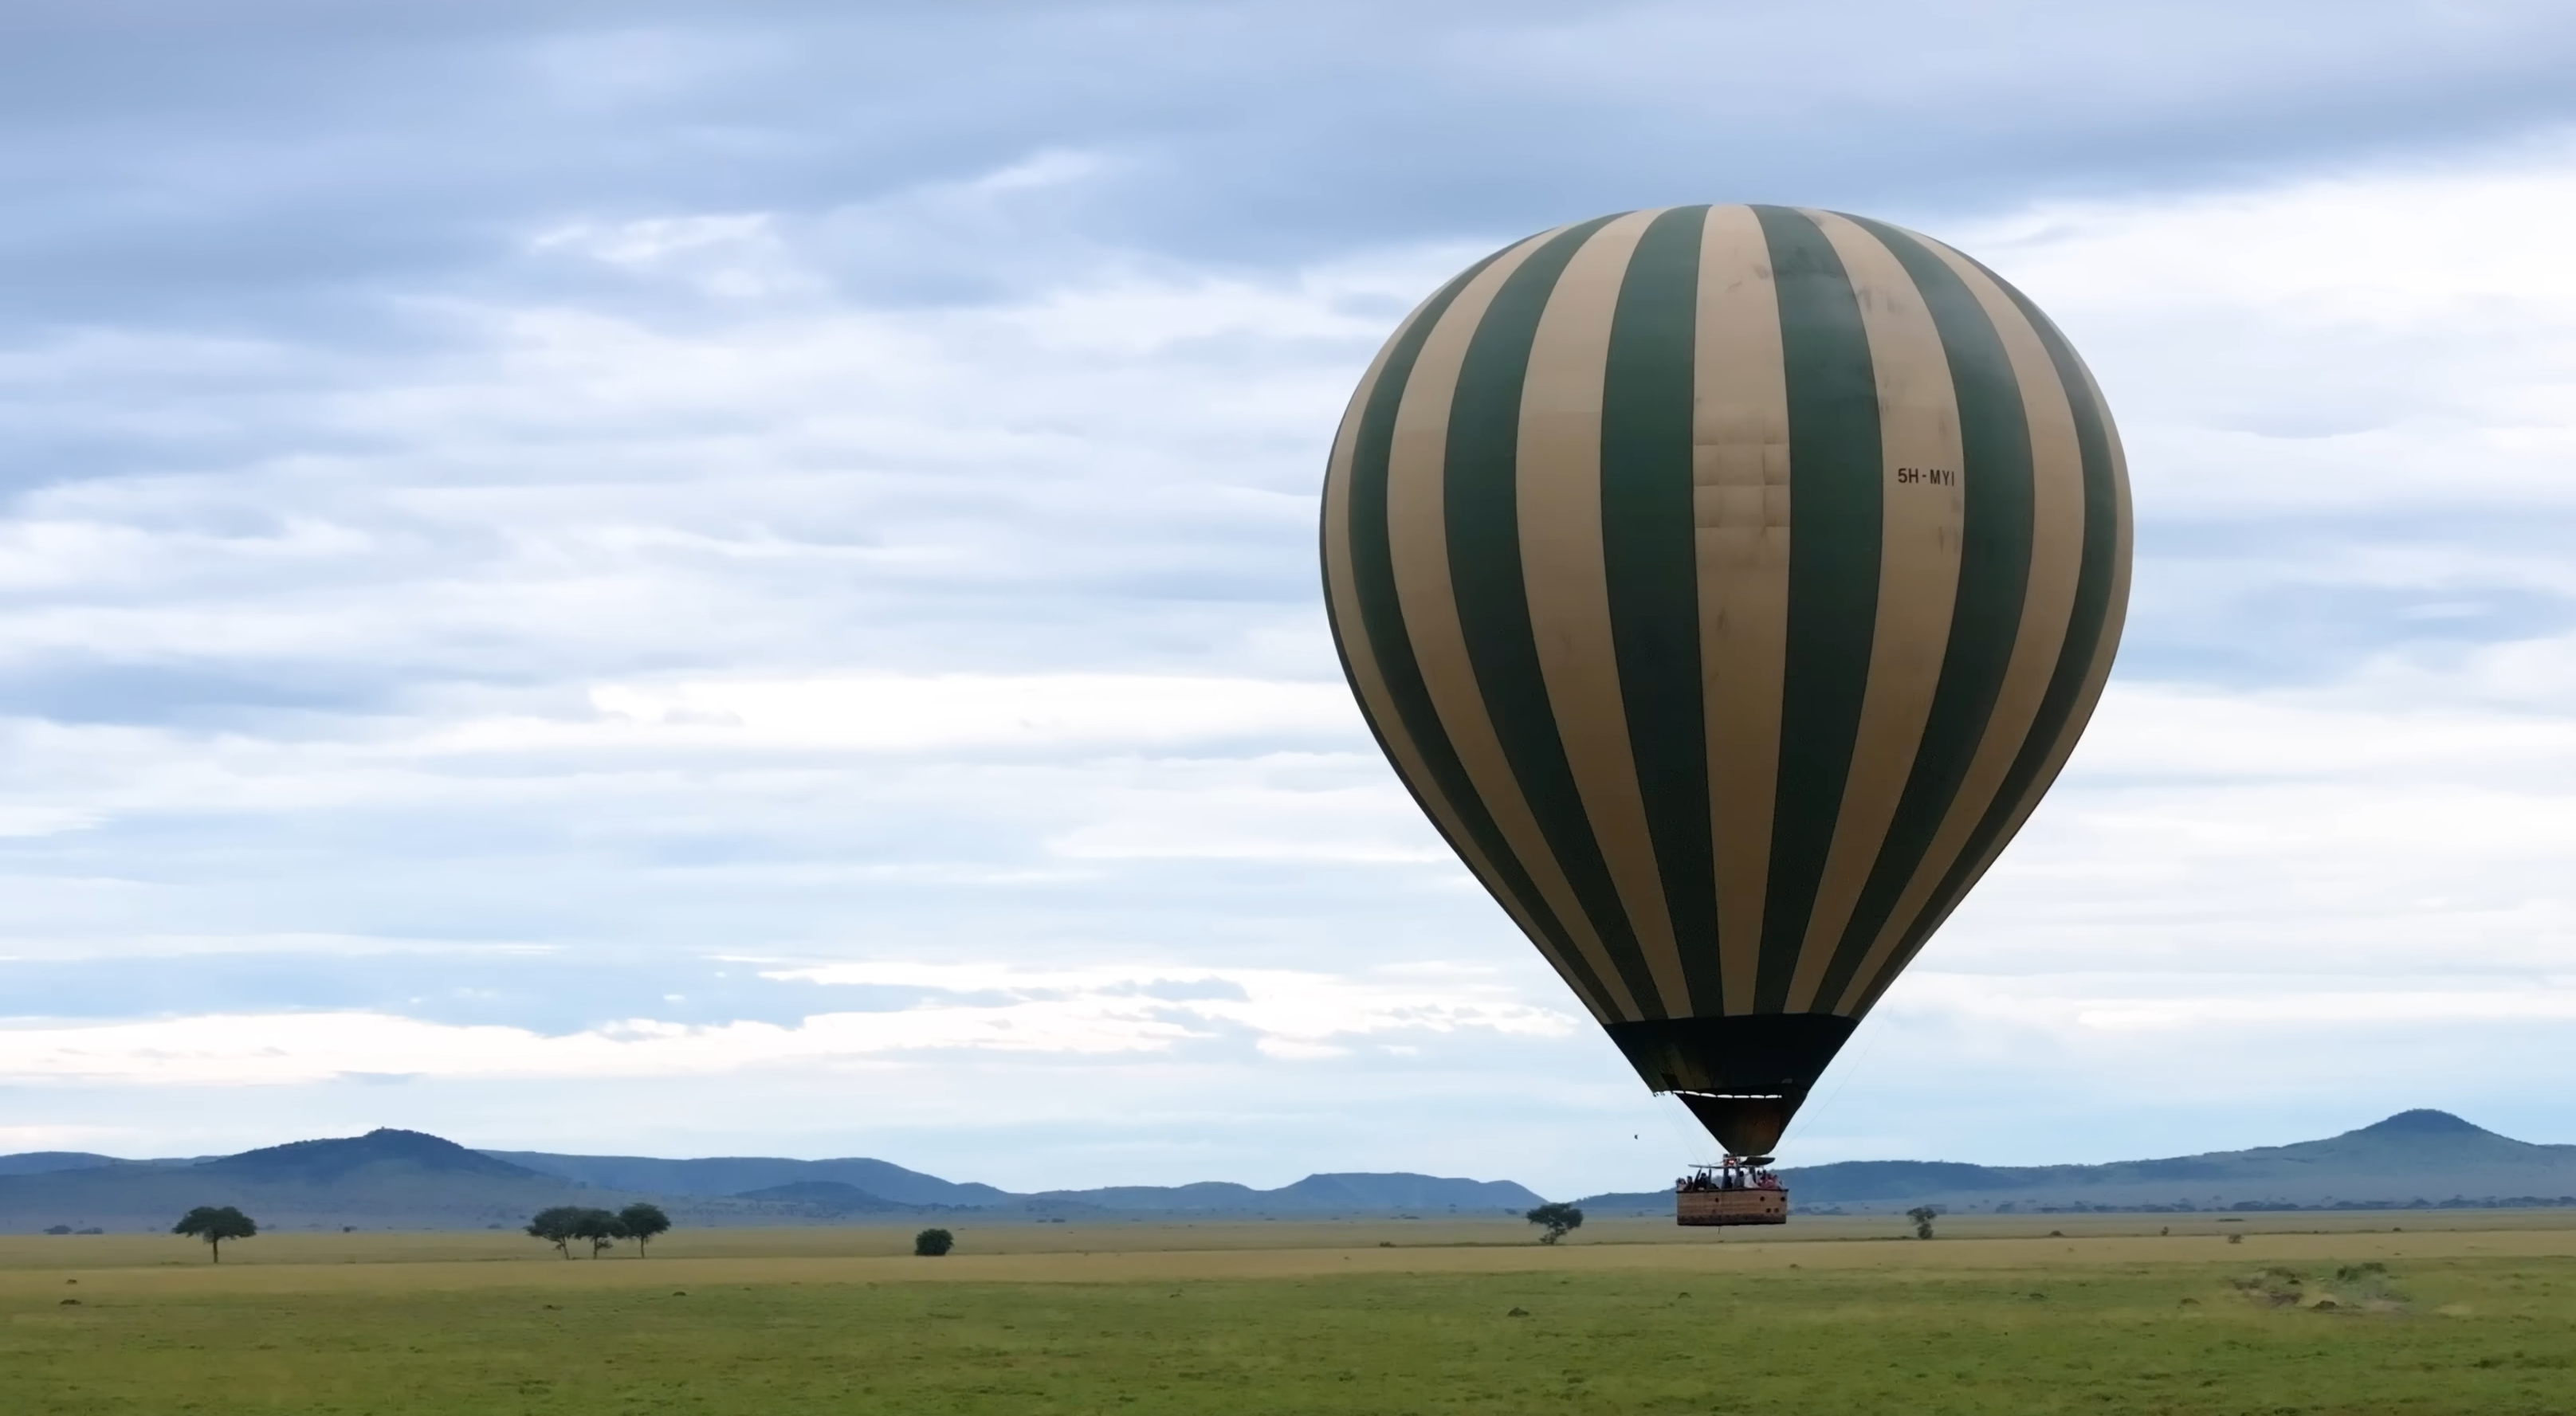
x=2379 y=339
x=744 y=612
x=65 y=1137
x=733 y=257
x=1045 y=711
x=1073 y=1012
x=2434 y=1000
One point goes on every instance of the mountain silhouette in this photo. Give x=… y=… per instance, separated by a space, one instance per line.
x=2419 y=1157
x=399 y=1179
x=732 y=1175
x=390 y=1178
x=2424 y=1124
x=386 y=1179
x=332 y=1161
x=46 y=1162
x=1313 y=1197
x=827 y=1198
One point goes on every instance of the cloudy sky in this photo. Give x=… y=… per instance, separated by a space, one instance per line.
x=721 y=578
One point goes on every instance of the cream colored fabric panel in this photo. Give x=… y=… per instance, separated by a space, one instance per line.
x=1918 y=577
x=1559 y=493
x=1341 y=584
x=1740 y=515
x=2097 y=673
x=2056 y=553
x=1418 y=528
x=1342 y=587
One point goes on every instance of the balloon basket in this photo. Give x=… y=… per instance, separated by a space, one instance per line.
x=1731 y=1207
x=1735 y=1192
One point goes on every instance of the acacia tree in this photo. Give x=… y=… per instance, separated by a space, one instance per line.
x=1558 y=1217
x=1922 y=1215
x=556 y=1226
x=643 y=1223
x=599 y=1227
x=215 y=1224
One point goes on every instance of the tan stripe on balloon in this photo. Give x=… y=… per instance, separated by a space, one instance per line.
x=1418 y=528
x=2056 y=554
x=1918 y=577
x=1740 y=531
x=2115 y=610
x=2087 y=697
x=1559 y=493
x=1341 y=586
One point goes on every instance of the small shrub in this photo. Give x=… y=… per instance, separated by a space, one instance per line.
x=931 y=1243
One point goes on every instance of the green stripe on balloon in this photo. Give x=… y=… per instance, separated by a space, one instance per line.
x=1835 y=515
x=1382 y=616
x=2091 y=615
x=1994 y=571
x=1650 y=552
x=1481 y=503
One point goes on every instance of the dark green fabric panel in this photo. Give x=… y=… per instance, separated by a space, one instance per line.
x=1744 y=1077
x=2094 y=578
x=1486 y=580
x=1373 y=573
x=1757 y=1054
x=1836 y=478
x=1985 y=616
x=1650 y=551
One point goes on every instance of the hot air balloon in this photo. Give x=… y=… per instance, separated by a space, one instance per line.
x=1727 y=583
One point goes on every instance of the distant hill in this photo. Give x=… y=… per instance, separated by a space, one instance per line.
x=2414 y=1158
x=732 y=1175
x=827 y=1199
x=1314 y=1196
x=412 y=1180
x=334 y=1161
x=46 y=1162
x=749 y=1177
x=384 y=1179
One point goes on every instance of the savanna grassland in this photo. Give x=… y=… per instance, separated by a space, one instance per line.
x=2452 y=1313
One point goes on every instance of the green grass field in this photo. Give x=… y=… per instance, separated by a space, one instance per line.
x=2478 y=1315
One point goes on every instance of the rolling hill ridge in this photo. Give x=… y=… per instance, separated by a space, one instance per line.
x=2412 y=1159
x=411 y=1180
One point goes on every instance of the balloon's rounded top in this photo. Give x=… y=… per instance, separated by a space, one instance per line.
x=1727 y=583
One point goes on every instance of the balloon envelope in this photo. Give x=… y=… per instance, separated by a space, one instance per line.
x=1727 y=583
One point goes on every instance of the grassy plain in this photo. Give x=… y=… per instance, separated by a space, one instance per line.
x=2466 y=1313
